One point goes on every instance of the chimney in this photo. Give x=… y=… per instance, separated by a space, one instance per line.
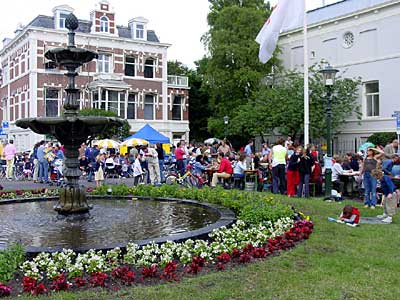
x=6 y=41
x=19 y=29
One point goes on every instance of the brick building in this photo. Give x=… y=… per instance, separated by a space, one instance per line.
x=129 y=78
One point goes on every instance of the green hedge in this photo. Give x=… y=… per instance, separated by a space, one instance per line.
x=10 y=260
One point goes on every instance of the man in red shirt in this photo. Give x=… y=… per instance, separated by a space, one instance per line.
x=225 y=169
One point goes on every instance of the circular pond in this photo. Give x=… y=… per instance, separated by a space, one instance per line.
x=111 y=223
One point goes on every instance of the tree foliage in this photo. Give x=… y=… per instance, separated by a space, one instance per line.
x=233 y=71
x=382 y=138
x=281 y=108
x=177 y=68
x=198 y=96
x=117 y=133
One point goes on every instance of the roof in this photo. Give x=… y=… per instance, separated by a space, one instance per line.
x=84 y=27
x=151 y=135
x=342 y=8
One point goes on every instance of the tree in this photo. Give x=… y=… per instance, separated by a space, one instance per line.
x=118 y=133
x=382 y=138
x=177 y=68
x=233 y=72
x=281 y=108
x=198 y=97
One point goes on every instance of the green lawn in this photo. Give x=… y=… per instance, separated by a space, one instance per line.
x=337 y=262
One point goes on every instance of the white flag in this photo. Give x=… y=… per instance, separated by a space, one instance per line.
x=288 y=14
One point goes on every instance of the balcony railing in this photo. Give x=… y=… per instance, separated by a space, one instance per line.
x=180 y=81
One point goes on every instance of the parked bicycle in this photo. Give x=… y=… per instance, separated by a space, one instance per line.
x=187 y=180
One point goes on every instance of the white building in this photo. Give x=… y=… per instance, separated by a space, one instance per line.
x=361 y=39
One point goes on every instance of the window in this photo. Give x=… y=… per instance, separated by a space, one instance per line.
x=149 y=68
x=61 y=20
x=110 y=100
x=5 y=74
x=103 y=24
x=23 y=62
x=51 y=102
x=149 y=107
x=131 y=109
x=130 y=64
x=372 y=98
x=177 y=108
x=104 y=63
x=140 y=31
x=113 y=101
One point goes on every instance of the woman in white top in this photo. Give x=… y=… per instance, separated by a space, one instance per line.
x=238 y=171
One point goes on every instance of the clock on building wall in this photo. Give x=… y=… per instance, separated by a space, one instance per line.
x=348 y=39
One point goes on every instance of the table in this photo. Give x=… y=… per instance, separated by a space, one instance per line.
x=250 y=180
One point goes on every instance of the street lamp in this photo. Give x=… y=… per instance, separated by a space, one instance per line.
x=226 y=121
x=328 y=74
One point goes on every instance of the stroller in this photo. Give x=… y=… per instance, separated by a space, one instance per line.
x=264 y=177
x=56 y=175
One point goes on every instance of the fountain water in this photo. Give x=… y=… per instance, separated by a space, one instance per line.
x=71 y=129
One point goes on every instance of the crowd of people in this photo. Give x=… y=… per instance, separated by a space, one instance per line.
x=286 y=167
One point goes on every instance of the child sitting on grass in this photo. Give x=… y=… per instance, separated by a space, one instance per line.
x=350 y=215
x=390 y=197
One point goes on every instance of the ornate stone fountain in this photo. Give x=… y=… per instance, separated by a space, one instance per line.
x=71 y=129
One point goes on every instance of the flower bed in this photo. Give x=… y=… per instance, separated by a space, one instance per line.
x=24 y=194
x=268 y=231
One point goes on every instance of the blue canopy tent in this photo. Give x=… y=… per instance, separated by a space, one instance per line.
x=151 y=135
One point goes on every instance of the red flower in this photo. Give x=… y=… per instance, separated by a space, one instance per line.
x=236 y=253
x=124 y=273
x=248 y=249
x=29 y=283
x=223 y=257
x=80 y=282
x=150 y=271
x=220 y=266
x=259 y=252
x=244 y=258
x=4 y=290
x=98 y=279
x=169 y=272
x=60 y=283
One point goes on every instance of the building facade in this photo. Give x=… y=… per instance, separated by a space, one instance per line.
x=129 y=77
x=360 y=39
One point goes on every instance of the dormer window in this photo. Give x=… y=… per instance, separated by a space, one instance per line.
x=138 y=28
x=61 y=20
x=104 y=24
x=140 y=31
x=61 y=13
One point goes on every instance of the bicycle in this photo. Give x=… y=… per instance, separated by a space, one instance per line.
x=188 y=179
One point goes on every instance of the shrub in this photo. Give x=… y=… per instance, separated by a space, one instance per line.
x=382 y=138
x=10 y=260
x=256 y=212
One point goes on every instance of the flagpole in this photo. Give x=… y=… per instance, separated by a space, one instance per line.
x=306 y=93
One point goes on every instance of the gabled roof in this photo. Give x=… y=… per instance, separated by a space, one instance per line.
x=84 y=27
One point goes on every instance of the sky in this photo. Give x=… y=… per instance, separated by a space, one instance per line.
x=180 y=23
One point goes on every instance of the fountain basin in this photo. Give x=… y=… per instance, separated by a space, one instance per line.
x=112 y=223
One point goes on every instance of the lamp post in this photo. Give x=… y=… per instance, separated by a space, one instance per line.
x=328 y=74
x=226 y=121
